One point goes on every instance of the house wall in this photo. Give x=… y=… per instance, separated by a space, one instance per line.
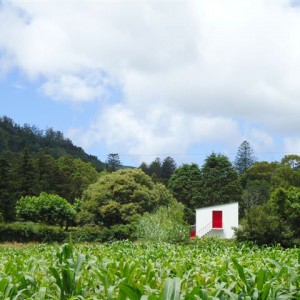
x=230 y=219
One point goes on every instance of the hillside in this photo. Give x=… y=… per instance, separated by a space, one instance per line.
x=14 y=138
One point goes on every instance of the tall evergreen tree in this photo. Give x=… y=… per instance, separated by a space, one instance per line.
x=155 y=170
x=185 y=187
x=245 y=157
x=27 y=173
x=7 y=203
x=113 y=162
x=220 y=181
x=168 y=167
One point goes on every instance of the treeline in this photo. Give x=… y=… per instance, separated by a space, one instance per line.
x=65 y=190
x=14 y=138
x=30 y=175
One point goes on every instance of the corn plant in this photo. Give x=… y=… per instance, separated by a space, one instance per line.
x=205 y=269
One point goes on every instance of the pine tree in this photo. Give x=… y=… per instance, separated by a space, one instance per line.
x=168 y=167
x=113 y=162
x=245 y=157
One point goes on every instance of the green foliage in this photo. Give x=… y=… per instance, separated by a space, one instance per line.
x=220 y=181
x=277 y=221
x=7 y=202
x=14 y=138
x=46 y=208
x=78 y=176
x=113 y=162
x=256 y=192
x=206 y=269
x=185 y=187
x=245 y=157
x=31 y=232
x=120 y=197
x=168 y=168
x=160 y=171
x=165 y=225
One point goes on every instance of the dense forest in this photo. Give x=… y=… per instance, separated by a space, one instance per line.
x=45 y=179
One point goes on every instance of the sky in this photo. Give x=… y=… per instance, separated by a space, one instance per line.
x=155 y=78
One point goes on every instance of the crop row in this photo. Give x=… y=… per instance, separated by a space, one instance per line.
x=123 y=270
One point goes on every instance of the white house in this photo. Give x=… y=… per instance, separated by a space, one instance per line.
x=217 y=221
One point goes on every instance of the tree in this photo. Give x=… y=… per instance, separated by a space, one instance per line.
x=46 y=208
x=144 y=167
x=76 y=177
x=185 y=187
x=7 y=202
x=27 y=174
x=120 y=197
x=292 y=161
x=168 y=167
x=256 y=192
x=113 y=162
x=277 y=221
x=220 y=181
x=155 y=169
x=245 y=157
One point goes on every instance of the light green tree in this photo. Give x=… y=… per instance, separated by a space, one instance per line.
x=46 y=208
x=120 y=197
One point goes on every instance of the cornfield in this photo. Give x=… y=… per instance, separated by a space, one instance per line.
x=206 y=269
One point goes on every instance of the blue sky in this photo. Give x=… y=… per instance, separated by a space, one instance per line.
x=155 y=78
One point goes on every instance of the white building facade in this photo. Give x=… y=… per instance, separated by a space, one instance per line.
x=217 y=221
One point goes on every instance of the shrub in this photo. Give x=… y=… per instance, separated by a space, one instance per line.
x=46 y=208
x=166 y=225
x=31 y=232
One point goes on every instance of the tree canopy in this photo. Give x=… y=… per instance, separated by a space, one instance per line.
x=245 y=157
x=119 y=197
x=220 y=181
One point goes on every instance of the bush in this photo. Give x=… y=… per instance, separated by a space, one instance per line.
x=30 y=232
x=166 y=225
x=46 y=208
x=33 y=232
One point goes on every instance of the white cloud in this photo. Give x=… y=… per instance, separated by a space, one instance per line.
x=292 y=145
x=77 y=88
x=189 y=72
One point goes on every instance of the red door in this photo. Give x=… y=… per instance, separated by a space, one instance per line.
x=217 y=219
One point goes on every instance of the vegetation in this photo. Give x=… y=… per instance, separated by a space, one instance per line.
x=120 y=197
x=167 y=224
x=277 y=221
x=245 y=157
x=47 y=180
x=14 y=138
x=46 y=209
x=206 y=269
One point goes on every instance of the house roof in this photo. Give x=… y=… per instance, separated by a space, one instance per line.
x=219 y=205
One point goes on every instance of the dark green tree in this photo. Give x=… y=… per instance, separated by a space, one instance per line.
x=113 y=162
x=277 y=221
x=144 y=167
x=155 y=170
x=168 y=167
x=7 y=200
x=185 y=187
x=220 y=181
x=27 y=174
x=245 y=157
x=76 y=177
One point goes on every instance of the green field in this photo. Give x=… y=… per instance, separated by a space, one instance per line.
x=206 y=269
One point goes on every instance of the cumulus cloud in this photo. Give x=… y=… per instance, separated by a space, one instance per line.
x=189 y=72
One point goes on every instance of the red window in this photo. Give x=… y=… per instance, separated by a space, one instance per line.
x=217 y=219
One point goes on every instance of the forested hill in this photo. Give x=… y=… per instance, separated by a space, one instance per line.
x=14 y=138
